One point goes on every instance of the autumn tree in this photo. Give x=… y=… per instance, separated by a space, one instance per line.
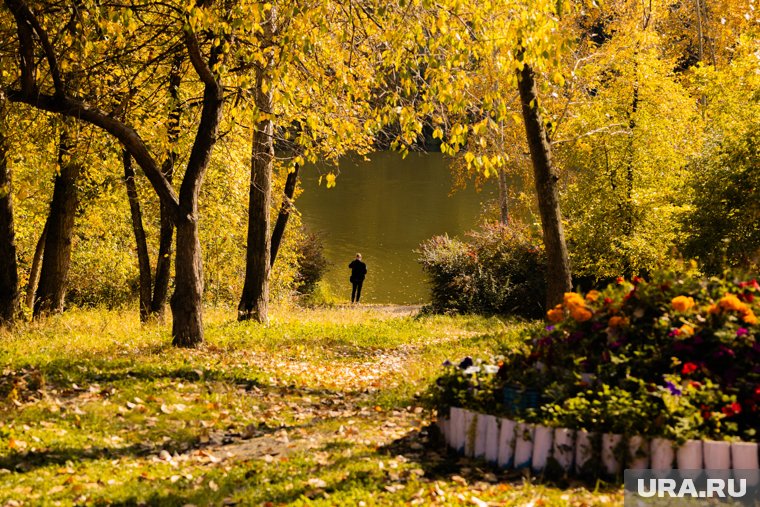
x=311 y=86
x=513 y=44
x=51 y=94
x=9 y=291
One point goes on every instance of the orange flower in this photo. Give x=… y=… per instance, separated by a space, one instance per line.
x=686 y=330
x=682 y=303
x=618 y=322
x=580 y=314
x=749 y=317
x=592 y=295
x=731 y=302
x=573 y=299
x=555 y=314
x=713 y=309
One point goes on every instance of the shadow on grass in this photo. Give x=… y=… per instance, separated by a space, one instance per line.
x=28 y=461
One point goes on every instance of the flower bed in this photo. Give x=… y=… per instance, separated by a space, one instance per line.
x=675 y=358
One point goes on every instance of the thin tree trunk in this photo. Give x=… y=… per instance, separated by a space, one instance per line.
x=503 y=197
x=164 y=260
x=282 y=218
x=627 y=205
x=254 y=301
x=143 y=260
x=56 y=258
x=700 y=34
x=9 y=295
x=187 y=300
x=558 y=280
x=34 y=273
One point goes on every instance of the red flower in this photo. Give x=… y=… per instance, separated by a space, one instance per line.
x=620 y=280
x=732 y=409
x=607 y=301
x=688 y=368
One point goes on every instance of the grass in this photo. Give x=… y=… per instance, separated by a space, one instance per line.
x=320 y=407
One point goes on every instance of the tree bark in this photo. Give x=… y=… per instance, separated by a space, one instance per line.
x=558 y=279
x=629 y=171
x=282 y=218
x=187 y=300
x=34 y=273
x=9 y=294
x=56 y=258
x=254 y=301
x=503 y=197
x=164 y=260
x=143 y=259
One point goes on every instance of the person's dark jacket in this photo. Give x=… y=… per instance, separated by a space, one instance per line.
x=358 y=271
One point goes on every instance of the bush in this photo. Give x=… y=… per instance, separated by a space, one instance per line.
x=498 y=269
x=675 y=357
x=312 y=263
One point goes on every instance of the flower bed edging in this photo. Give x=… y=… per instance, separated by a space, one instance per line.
x=542 y=447
x=512 y=444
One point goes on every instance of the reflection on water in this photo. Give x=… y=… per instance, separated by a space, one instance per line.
x=384 y=209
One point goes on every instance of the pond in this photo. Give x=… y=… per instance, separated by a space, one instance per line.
x=384 y=209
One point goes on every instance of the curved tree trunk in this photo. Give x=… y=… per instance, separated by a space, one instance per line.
x=56 y=258
x=143 y=260
x=254 y=301
x=164 y=259
x=9 y=295
x=282 y=218
x=558 y=280
x=34 y=273
x=187 y=300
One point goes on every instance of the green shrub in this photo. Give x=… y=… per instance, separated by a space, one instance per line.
x=312 y=263
x=725 y=225
x=498 y=269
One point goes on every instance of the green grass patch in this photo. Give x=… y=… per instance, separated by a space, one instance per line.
x=321 y=407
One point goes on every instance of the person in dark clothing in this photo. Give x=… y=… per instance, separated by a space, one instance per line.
x=358 y=272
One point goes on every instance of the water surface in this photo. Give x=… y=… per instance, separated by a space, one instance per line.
x=384 y=209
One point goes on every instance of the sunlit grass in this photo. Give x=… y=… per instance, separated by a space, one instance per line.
x=97 y=408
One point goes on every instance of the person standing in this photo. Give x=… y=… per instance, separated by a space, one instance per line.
x=358 y=272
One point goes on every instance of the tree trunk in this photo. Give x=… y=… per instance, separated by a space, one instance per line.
x=254 y=301
x=558 y=280
x=187 y=300
x=503 y=197
x=629 y=171
x=164 y=260
x=9 y=295
x=56 y=258
x=143 y=260
x=34 y=273
x=282 y=218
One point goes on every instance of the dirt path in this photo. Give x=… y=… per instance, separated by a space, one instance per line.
x=394 y=310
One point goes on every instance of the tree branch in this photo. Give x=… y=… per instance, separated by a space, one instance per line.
x=130 y=139
x=24 y=16
x=196 y=59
